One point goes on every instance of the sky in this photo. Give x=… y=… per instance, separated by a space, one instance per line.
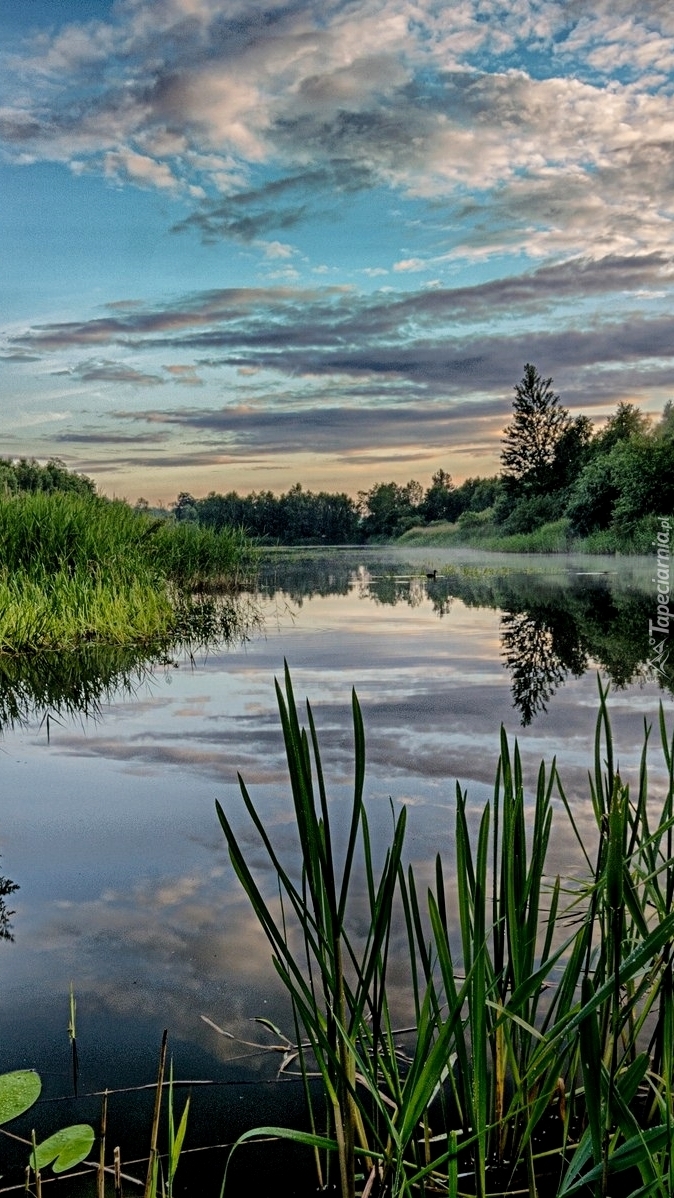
x=248 y=244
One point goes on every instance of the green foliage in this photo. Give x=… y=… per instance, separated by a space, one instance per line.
x=592 y=499
x=77 y=568
x=25 y=474
x=65 y=1148
x=627 y=423
x=440 y=500
x=19 y=1091
x=621 y=487
x=612 y=480
x=296 y=517
x=388 y=509
x=538 y=1019
x=529 y=513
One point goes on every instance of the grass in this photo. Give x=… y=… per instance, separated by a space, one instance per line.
x=555 y=537
x=79 y=569
x=543 y=1056
x=549 y=538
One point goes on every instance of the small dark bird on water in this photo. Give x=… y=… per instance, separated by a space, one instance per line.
x=432 y=574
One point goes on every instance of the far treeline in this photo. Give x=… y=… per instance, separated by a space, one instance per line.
x=562 y=483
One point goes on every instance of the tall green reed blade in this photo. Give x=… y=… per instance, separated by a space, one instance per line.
x=150 y=1190
x=333 y=1028
x=176 y=1135
x=591 y=1062
x=478 y=1009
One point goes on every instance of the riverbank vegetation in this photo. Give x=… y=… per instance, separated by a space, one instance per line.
x=76 y=568
x=563 y=485
x=540 y=1060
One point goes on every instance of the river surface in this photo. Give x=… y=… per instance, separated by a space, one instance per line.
x=108 y=812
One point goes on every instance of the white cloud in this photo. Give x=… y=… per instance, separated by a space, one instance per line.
x=275 y=249
x=410 y=264
x=139 y=169
x=191 y=95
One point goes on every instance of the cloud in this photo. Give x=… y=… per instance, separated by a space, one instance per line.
x=556 y=151
x=410 y=264
x=100 y=437
x=330 y=315
x=114 y=372
x=186 y=375
x=241 y=431
x=370 y=378
x=139 y=168
x=276 y=204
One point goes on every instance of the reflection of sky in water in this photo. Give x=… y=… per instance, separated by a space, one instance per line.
x=111 y=831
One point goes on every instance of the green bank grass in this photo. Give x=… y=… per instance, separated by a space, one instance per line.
x=549 y=538
x=555 y=537
x=77 y=569
x=542 y=1055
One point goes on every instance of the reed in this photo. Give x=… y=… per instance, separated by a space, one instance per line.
x=76 y=569
x=542 y=1060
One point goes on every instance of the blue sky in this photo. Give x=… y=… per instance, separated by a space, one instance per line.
x=248 y=244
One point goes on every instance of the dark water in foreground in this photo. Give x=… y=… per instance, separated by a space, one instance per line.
x=108 y=818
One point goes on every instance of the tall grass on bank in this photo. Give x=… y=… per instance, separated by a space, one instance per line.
x=554 y=537
x=543 y=1054
x=76 y=569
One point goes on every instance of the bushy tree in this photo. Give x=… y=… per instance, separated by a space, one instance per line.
x=388 y=508
x=665 y=425
x=593 y=496
x=185 y=508
x=626 y=423
x=440 y=500
x=26 y=474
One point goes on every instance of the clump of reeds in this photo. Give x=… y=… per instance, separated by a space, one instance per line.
x=76 y=569
x=543 y=1054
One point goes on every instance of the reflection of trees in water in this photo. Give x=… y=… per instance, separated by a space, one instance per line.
x=390 y=589
x=7 y=887
x=536 y=669
x=300 y=576
x=551 y=637
x=552 y=627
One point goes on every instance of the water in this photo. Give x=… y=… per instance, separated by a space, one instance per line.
x=109 y=822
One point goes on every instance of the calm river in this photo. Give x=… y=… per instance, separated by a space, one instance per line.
x=108 y=817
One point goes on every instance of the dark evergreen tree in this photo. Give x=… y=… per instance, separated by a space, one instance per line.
x=530 y=440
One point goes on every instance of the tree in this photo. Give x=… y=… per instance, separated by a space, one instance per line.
x=572 y=453
x=388 y=509
x=440 y=502
x=530 y=440
x=185 y=507
x=626 y=423
x=665 y=425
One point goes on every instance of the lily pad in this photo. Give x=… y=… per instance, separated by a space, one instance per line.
x=65 y=1148
x=18 y=1092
